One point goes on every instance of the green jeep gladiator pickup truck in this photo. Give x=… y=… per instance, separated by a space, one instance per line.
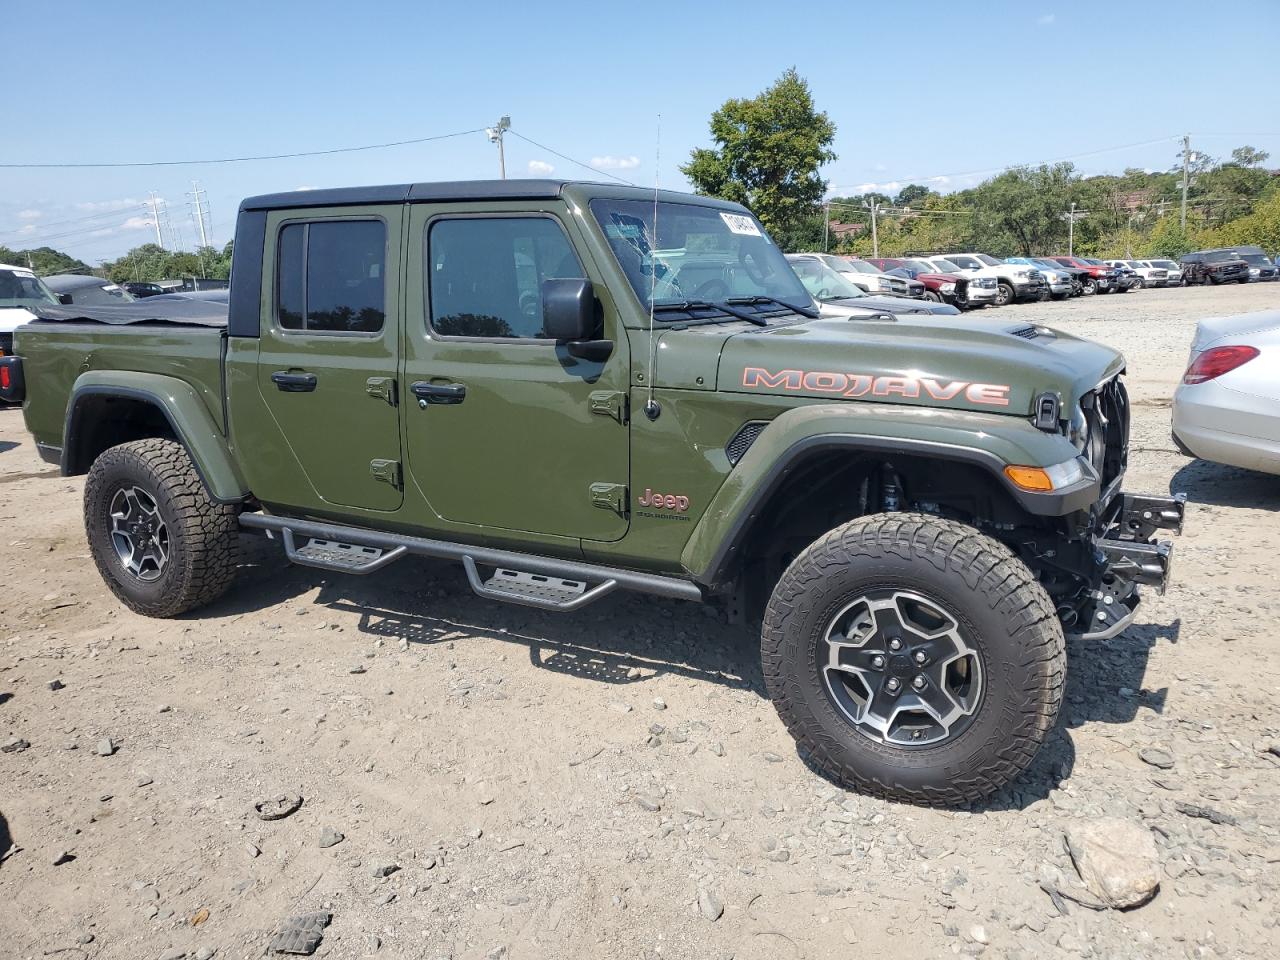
x=575 y=388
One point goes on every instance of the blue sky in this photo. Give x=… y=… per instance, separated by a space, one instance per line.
x=948 y=90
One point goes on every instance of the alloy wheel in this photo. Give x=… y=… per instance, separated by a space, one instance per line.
x=901 y=669
x=139 y=534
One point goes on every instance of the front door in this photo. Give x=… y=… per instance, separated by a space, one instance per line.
x=327 y=359
x=504 y=428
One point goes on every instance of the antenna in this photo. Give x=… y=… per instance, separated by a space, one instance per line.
x=651 y=407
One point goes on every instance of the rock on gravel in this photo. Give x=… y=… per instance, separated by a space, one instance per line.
x=1116 y=859
x=709 y=905
x=1157 y=757
x=330 y=837
x=105 y=747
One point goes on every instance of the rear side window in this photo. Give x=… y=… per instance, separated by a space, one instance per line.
x=331 y=276
x=485 y=274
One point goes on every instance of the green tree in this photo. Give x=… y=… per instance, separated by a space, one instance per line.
x=912 y=195
x=768 y=154
x=45 y=260
x=1023 y=209
x=1247 y=156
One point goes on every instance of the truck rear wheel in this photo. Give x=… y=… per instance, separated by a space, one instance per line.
x=161 y=543
x=913 y=658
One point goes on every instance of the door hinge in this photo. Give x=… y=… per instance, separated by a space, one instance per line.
x=387 y=471
x=609 y=403
x=610 y=496
x=382 y=387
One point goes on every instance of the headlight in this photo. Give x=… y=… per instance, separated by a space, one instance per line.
x=1047 y=479
x=948 y=288
x=1022 y=273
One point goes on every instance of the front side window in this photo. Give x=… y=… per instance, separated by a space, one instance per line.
x=109 y=294
x=331 y=276
x=485 y=274
x=692 y=251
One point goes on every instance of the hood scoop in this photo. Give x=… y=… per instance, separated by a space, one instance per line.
x=1032 y=332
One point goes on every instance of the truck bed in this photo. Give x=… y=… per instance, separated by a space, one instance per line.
x=56 y=352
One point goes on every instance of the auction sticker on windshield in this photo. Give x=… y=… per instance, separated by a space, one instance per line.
x=737 y=223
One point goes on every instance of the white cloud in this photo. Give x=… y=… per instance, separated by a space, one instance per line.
x=609 y=162
x=893 y=186
x=137 y=223
x=1046 y=19
x=30 y=214
x=304 y=187
x=541 y=167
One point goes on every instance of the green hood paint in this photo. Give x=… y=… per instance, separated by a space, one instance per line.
x=947 y=351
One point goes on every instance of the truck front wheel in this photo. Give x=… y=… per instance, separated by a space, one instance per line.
x=914 y=659
x=161 y=543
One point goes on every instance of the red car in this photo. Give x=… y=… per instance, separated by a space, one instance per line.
x=939 y=287
x=1101 y=276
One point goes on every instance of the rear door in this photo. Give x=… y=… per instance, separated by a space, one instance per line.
x=329 y=352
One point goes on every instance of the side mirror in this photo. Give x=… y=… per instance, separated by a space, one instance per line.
x=64 y=298
x=569 y=317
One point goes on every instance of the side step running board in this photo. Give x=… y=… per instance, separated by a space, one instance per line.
x=533 y=581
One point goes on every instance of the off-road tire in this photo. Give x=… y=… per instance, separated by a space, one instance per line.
x=986 y=588
x=202 y=532
x=932 y=296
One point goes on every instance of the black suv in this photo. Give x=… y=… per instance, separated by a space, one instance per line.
x=1214 y=266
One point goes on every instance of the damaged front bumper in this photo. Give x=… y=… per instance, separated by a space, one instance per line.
x=1130 y=557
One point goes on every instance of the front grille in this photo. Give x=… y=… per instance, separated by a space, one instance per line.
x=736 y=448
x=1106 y=443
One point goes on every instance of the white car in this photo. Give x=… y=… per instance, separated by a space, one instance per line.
x=1014 y=281
x=20 y=290
x=1149 y=275
x=1227 y=408
x=866 y=277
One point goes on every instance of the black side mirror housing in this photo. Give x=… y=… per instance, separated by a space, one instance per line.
x=64 y=298
x=569 y=317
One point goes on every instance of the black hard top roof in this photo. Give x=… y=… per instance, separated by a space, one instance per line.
x=457 y=190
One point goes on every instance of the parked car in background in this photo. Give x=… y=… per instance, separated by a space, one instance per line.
x=1057 y=277
x=980 y=289
x=142 y=288
x=1207 y=267
x=1260 y=266
x=1101 y=278
x=938 y=287
x=1014 y=281
x=1126 y=277
x=1173 y=271
x=838 y=295
x=1148 y=276
x=79 y=289
x=1077 y=274
x=870 y=278
x=21 y=291
x=1227 y=408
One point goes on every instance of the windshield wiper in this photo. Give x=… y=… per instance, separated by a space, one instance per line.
x=708 y=305
x=809 y=312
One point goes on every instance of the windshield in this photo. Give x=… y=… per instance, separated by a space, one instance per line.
x=848 y=265
x=699 y=253
x=1257 y=259
x=1166 y=264
x=988 y=260
x=919 y=266
x=943 y=265
x=822 y=282
x=967 y=263
x=24 y=290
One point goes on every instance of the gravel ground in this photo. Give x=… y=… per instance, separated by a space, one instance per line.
x=612 y=783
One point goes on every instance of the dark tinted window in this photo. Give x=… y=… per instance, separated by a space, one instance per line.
x=331 y=276
x=108 y=293
x=485 y=274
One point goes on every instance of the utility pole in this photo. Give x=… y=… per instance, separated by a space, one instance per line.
x=1071 y=218
x=1128 y=239
x=826 y=228
x=1186 y=163
x=200 y=205
x=155 y=220
x=494 y=134
x=875 y=236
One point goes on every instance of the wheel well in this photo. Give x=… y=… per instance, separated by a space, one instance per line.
x=831 y=487
x=102 y=421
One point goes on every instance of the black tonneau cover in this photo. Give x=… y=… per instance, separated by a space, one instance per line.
x=198 y=313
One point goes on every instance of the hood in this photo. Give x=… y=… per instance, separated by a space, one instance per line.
x=939 y=277
x=1212 y=329
x=919 y=360
x=13 y=317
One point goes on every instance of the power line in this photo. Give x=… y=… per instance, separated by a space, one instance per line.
x=562 y=156
x=101 y=215
x=273 y=156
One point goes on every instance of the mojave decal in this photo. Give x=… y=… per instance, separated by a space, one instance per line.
x=866 y=385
